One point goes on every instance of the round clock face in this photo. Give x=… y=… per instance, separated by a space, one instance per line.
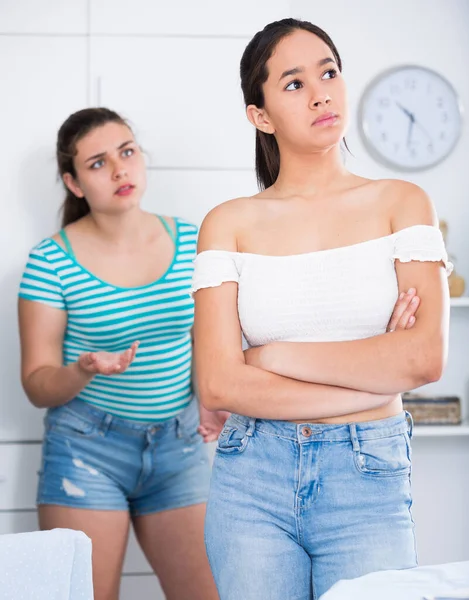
x=410 y=118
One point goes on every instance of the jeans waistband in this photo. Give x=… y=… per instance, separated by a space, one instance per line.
x=310 y=432
x=104 y=420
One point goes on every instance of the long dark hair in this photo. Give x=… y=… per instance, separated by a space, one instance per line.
x=253 y=70
x=72 y=131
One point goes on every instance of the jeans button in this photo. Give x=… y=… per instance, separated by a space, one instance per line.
x=306 y=431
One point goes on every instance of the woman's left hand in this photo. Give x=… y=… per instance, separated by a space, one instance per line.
x=211 y=423
x=403 y=316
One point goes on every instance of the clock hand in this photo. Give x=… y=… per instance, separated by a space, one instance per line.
x=409 y=134
x=413 y=121
x=407 y=112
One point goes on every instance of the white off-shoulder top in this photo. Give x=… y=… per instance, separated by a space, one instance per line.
x=344 y=293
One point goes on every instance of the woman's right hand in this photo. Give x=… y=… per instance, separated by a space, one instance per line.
x=107 y=363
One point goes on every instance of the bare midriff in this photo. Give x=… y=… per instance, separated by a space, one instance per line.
x=391 y=409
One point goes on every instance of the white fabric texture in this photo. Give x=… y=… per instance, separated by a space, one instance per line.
x=340 y=294
x=46 y=565
x=427 y=583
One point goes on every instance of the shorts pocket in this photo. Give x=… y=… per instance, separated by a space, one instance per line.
x=232 y=440
x=187 y=424
x=69 y=422
x=384 y=457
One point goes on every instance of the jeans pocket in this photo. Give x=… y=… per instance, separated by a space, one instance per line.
x=233 y=439
x=187 y=423
x=65 y=421
x=384 y=457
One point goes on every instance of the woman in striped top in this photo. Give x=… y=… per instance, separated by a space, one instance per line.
x=123 y=439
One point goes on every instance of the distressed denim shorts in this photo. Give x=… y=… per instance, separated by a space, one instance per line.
x=295 y=508
x=94 y=460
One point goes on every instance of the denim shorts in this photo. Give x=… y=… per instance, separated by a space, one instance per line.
x=295 y=508
x=94 y=460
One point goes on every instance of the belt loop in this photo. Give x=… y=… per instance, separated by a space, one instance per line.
x=353 y=437
x=251 y=426
x=105 y=424
x=410 y=423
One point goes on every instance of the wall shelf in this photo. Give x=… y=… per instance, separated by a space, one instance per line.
x=462 y=301
x=441 y=430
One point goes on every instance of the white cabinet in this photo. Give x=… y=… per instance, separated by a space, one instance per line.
x=217 y=18
x=45 y=17
x=19 y=464
x=192 y=194
x=440 y=491
x=182 y=97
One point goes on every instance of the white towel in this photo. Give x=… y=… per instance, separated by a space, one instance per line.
x=46 y=565
x=408 y=584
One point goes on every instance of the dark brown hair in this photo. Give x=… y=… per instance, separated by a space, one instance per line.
x=254 y=74
x=70 y=133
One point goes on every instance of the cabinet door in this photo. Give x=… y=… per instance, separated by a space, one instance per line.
x=43 y=81
x=440 y=493
x=19 y=464
x=47 y=16
x=182 y=97
x=185 y=17
x=18 y=522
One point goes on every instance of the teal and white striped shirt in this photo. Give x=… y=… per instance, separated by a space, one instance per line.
x=157 y=385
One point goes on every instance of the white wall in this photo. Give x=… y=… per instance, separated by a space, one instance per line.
x=172 y=69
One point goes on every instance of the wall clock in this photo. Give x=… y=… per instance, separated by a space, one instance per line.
x=410 y=118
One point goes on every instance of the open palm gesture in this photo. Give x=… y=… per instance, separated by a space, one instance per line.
x=107 y=363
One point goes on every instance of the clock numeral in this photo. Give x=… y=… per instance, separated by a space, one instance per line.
x=429 y=88
x=413 y=152
x=384 y=102
x=384 y=136
x=442 y=135
x=396 y=147
x=410 y=84
x=379 y=118
x=444 y=117
x=440 y=102
x=430 y=148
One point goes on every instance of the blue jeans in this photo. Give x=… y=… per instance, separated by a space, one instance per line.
x=295 y=508
x=94 y=460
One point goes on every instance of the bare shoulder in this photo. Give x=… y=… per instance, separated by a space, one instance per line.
x=408 y=204
x=78 y=226
x=220 y=227
x=58 y=239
